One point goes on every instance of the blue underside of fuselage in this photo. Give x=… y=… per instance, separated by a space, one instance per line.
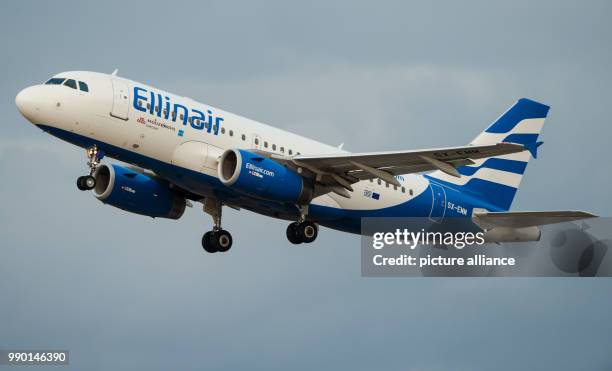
x=341 y=219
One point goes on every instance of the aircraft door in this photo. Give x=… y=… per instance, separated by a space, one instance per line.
x=438 y=205
x=121 y=98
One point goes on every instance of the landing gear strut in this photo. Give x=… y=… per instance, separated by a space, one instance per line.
x=217 y=240
x=88 y=182
x=302 y=230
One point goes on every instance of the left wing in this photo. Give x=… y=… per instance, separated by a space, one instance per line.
x=345 y=169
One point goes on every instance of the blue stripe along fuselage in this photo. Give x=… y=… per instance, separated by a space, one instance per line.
x=347 y=220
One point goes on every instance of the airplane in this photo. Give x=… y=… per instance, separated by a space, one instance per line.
x=181 y=151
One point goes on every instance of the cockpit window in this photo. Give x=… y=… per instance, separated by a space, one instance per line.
x=83 y=86
x=71 y=83
x=55 y=81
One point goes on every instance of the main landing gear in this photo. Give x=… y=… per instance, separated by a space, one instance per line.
x=88 y=182
x=302 y=231
x=217 y=240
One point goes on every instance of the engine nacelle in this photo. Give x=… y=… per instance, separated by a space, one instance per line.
x=262 y=177
x=504 y=234
x=137 y=193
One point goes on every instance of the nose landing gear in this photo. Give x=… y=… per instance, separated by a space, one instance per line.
x=88 y=182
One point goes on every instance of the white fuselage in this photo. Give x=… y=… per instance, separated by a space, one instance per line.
x=143 y=122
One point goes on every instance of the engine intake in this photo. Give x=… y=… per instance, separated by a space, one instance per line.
x=137 y=193
x=262 y=177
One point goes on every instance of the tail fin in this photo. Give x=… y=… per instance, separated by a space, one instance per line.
x=495 y=180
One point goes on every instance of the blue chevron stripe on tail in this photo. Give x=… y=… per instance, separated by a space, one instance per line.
x=495 y=180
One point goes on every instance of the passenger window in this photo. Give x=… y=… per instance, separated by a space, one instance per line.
x=139 y=103
x=378 y=181
x=282 y=149
x=403 y=189
x=394 y=187
x=148 y=106
x=411 y=193
x=386 y=184
x=70 y=83
x=231 y=133
x=243 y=137
x=274 y=147
x=290 y=152
x=83 y=86
x=55 y=81
x=222 y=130
x=266 y=144
x=256 y=141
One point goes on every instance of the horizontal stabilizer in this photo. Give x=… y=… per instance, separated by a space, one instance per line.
x=523 y=219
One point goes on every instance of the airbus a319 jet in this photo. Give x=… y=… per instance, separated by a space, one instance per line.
x=181 y=151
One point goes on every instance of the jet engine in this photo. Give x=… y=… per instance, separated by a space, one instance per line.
x=262 y=177
x=137 y=193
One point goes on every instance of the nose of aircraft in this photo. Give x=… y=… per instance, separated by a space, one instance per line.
x=26 y=104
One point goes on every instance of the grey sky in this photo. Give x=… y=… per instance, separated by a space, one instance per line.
x=124 y=291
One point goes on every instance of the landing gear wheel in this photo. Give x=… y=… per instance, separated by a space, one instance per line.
x=302 y=232
x=292 y=235
x=80 y=184
x=307 y=232
x=86 y=183
x=217 y=241
x=223 y=240
x=207 y=243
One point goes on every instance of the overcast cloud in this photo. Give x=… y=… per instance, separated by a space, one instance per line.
x=126 y=292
